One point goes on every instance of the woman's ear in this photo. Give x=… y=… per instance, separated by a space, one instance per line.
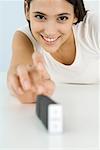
x=75 y=20
x=27 y=10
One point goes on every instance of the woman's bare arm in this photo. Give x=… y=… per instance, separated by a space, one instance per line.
x=22 y=50
x=27 y=76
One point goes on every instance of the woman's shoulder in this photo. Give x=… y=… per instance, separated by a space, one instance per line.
x=91 y=19
x=88 y=30
x=26 y=30
x=90 y=23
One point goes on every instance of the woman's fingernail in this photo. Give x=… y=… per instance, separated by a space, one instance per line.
x=26 y=85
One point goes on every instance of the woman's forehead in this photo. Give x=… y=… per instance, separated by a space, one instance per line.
x=52 y=5
x=50 y=2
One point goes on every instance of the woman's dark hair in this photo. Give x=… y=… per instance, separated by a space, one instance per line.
x=79 y=8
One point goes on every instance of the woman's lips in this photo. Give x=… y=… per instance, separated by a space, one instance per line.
x=49 y=41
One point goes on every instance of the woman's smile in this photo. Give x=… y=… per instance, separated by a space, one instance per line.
x=50 y=40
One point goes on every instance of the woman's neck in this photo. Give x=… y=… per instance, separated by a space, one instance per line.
x=67 y=52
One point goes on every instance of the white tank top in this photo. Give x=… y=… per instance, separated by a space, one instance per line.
x=86 y=66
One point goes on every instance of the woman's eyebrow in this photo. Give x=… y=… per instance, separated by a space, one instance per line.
x=40 y=13
x=63 y=14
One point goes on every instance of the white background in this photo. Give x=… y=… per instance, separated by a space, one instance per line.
x=12 y=17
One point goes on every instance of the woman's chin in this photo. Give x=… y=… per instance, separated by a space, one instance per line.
x=50 y=49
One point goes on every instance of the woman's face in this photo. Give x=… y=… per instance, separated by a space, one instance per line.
x=51 y=22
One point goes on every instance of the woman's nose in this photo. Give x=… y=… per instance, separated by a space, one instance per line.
x=50 y=28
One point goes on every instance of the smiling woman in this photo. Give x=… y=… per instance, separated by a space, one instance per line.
x=60 y=44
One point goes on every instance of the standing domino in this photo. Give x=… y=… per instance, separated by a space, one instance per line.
x=50 y=113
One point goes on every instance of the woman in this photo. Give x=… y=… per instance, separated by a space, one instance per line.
x=61 y=43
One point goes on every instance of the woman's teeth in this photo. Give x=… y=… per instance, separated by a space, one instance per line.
x=49 y=39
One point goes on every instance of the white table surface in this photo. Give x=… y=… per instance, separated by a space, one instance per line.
x=20 y=127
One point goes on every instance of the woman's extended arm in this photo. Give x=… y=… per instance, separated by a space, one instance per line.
x=22 y=50
x=27 y=76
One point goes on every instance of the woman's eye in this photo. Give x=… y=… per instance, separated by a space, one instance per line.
x=62 y=18
x=40 y=17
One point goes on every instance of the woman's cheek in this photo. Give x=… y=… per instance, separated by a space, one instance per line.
x=36 y=26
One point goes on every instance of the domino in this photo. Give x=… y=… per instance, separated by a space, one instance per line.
x=50 y=113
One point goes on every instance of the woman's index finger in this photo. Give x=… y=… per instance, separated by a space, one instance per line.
x=42 y=69
x=37 y=58
x=39 y=64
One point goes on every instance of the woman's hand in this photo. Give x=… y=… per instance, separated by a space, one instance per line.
x=28 y=81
